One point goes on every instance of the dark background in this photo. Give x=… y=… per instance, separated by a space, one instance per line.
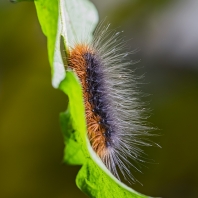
x=31 y=143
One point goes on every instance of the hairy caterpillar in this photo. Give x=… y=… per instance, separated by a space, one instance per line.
x=116 y=128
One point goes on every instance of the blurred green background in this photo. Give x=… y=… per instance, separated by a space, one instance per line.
x=31 y=143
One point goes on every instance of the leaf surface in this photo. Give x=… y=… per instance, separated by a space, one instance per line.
x=69 y=19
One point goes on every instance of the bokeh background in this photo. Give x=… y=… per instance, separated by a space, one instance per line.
x=165 y=33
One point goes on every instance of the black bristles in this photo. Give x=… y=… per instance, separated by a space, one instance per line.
x=98 y=95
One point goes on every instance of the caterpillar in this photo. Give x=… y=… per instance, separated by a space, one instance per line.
x=114 y=114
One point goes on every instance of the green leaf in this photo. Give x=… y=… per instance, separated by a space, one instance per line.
x=94 y=182
x=69 y=19
x=73 y=151
x=48 y=14
x=66 y=18
x=73 y=121
x=93 y=179
x=78 y=17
